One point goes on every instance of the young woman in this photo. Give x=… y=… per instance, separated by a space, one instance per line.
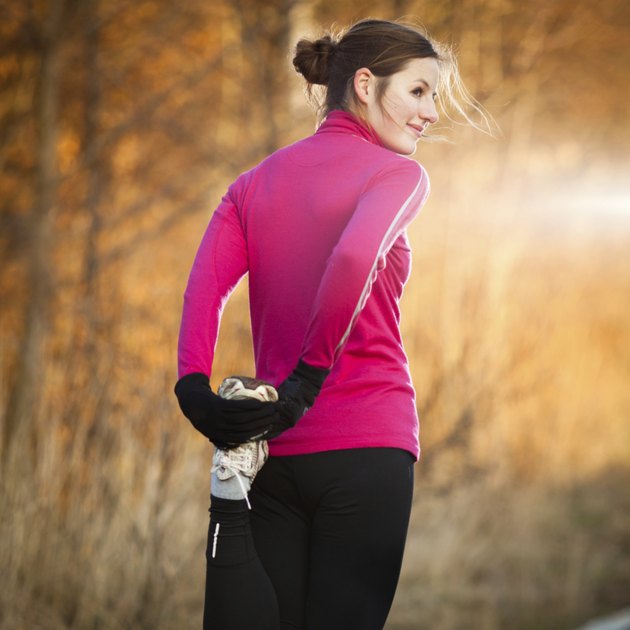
x=320 y=228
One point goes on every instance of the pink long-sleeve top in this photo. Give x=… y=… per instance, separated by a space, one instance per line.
x=320 y=226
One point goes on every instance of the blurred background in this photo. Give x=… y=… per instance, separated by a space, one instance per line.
x=122 y=123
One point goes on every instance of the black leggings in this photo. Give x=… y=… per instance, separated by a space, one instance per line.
x=329 y=531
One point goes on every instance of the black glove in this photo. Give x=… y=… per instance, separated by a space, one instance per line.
x=226 y=423
x=296 y=395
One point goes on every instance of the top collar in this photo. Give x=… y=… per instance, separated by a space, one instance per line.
x=339 y=121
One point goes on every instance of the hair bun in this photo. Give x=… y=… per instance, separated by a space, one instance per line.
x=313 y=58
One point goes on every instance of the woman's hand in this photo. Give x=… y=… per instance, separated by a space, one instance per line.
x=297 y=394
x=226 y=422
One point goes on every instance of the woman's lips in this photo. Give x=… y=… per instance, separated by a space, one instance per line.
x=418 y=129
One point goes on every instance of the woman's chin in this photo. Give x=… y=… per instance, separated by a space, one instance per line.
x=408 y=150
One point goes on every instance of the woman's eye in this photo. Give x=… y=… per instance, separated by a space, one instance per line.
x=418 y=92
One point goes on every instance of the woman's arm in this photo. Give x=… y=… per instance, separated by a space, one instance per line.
x=386 y=207
x=220 y=263
x=388 y=204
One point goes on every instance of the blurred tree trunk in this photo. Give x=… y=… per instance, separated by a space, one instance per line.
x=39 y=244
x=266 y=27
x=399 y=9
x=86 y=360
x=95 y=182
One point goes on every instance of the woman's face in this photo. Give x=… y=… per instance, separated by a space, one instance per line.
x=407 y=106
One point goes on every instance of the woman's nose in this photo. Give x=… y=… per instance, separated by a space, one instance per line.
x=429 y=113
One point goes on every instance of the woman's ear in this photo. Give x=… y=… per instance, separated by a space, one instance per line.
x=364 y=85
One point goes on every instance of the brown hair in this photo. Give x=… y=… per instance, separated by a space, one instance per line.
x=385 y=48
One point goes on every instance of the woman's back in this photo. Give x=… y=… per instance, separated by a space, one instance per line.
x=323 y=221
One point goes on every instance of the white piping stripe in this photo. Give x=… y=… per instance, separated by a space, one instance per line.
x=214 y=542
x=372 y=275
